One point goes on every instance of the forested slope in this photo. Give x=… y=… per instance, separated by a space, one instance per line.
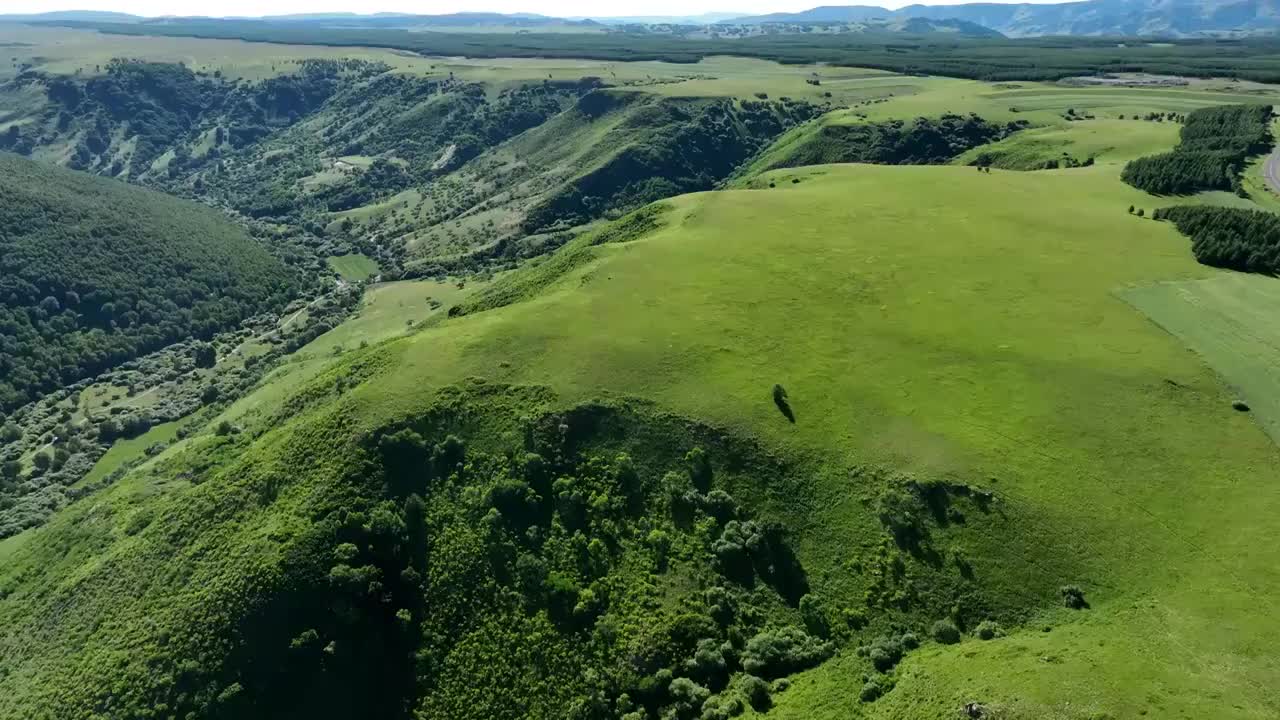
x=1215 y=143
x=94 y=272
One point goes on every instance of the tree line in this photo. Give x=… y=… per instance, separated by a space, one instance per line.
x=1234 y=238
x=951 y=54
x=1215 y=143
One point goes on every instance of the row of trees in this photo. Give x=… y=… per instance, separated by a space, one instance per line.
x=1235 y=238
x=1215 y=143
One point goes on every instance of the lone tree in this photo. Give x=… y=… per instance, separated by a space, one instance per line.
x=1130 y=209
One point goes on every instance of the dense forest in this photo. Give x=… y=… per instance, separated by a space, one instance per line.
x=1047 y=58
x=1235 y=238
x=1215 y=143
x=94 y=272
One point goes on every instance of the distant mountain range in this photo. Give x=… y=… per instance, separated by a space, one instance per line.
x=1171 y=18
x=1162 y=18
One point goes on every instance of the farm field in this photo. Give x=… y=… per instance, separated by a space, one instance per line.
x=1228 y=320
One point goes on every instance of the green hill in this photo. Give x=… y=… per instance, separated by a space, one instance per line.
x=96 y=272
x=735 y=436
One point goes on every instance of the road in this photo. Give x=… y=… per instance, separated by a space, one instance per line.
x=1271 y=171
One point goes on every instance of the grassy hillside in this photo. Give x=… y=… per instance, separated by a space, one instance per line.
x=969 y=338
x=97 y=272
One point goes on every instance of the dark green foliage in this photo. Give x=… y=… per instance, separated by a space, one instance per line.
x=757 y=692
x=1215 y=143
x=978 y=58
x=923 y=141
x=1235 y=238
x=875 y=687
x=815 y=616
x=1073 y=597
x=94 y=272
x=693 y=145
x=887 y=651
x=945 y=632
x=204 y=355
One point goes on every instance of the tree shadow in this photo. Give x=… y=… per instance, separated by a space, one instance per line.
x=780 y=399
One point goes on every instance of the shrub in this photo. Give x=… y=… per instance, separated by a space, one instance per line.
x=945 y=632
x=757 y=692
x=876 y=687
x=815 y=616
x=687 y=695
x=886 y=652
x=10 y=433
x=708 y=661
x=988 y=629
x=1073 y=597
x=774 y=653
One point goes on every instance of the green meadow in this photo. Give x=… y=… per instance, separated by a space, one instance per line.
x=832 y=334
x=968 y=333
x=353 y=268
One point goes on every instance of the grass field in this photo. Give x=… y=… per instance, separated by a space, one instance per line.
x=1106 y=141
x=1017 y=331
x=388 y=310
x=1230 y=320
x=970 y=335
x=1001 y=351
x=124 y=451
x=353 y=268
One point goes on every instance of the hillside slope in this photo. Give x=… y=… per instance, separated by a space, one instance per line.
x=845 y=418
x=94 y=272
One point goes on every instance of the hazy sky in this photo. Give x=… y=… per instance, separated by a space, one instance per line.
x=565 y=8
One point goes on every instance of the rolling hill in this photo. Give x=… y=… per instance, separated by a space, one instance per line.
x=96 y=272
x=459 y=522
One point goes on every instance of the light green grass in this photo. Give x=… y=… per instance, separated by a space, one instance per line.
x=1230 y=320
x=124 y=451
x=1043 y=106
x=387 y=310
x=354 y=267
x=67 y=51
x=972 y=332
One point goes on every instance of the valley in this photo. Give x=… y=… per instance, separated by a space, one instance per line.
x=569 y=387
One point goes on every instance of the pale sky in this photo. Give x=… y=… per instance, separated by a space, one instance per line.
x=561 y=8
